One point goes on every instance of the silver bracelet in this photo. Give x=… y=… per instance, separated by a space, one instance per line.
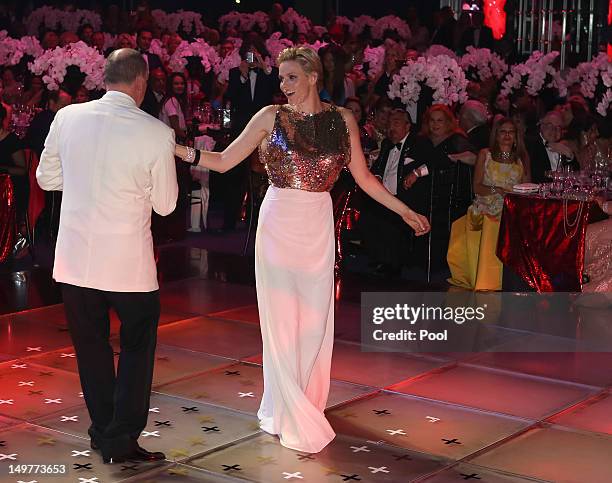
x=190 y=157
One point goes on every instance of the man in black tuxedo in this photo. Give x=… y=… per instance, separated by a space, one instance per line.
x=384 y=233
x=546 y=152
x=156 y=91
x=251 y=87
x=478 y=35
x=143 y=44
x=473 y=119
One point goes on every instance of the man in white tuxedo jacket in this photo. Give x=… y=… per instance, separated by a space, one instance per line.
x=114 y=164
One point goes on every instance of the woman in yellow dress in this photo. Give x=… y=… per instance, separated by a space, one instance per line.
x=473 y=240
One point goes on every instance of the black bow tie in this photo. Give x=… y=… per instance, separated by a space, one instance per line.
x=398 y=146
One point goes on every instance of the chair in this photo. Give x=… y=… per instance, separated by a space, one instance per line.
x=257 y=187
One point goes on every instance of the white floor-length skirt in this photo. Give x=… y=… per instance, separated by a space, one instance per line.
x=294 y=271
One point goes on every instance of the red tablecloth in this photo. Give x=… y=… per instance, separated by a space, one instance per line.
x=7 y=216
x=542 y=241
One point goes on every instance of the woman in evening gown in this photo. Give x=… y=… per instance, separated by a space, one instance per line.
x=304 y=145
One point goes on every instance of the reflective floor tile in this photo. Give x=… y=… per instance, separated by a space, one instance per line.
x=7 y=422
x=524 y=396
x=263 y=459
x=594 y=415
x=33 y=445
x=377 y=369
x=422 y=425
x=248 y=313
x=555 y=454
x=205 y=296
x=216 y=337
x=241 y=386
x=183 y=473
x=22 y=338
x=467 y=472
x=591 y=368
x=178 y=427
x=29 y=391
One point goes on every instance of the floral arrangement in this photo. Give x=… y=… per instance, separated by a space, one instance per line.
x=375 y=58
x=198 y=48
x=160 y=50
x=13 y=50
x=227 y=63
x=534 y=75
x=237 y=42
x=594 y=80
x=391 y=22
x=244 y=21
x=441 y=74
x=295 y=21
x=319 y=30
x=345 y=21
x=54 y=18
x=482 y=64
x=276 y=45
x=180 y=20
x=53 y=64
x=437 y=49
x=360 y=23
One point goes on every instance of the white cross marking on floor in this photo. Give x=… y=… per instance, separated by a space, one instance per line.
x=360 y=448
x=146 y=434
x=154 y=410
x=19 y=366
x=69 y=418
x=53 y=401
x=34 y=349
x=21 y=481
x=26 y=383
x=89 y=480
x=288 y=476
x=393 y=432
x=432 y=419
x=76 y=453
x=7 y=401
x=382 y=469
x=245 y=394
x=8 y=456
x=72 y=354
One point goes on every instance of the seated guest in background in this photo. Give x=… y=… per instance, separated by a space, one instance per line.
x=156 y=91
x=473 y=241
x=12 y=162
x=11 y=88
x=35 y=89
x=174 y=106
x=590 y=147
x=384 y=233
x=68 y=38
x=123 y=41
x=82 y=95
x=445 y=193
x=367 y=142
x=378 y=125
x=41 y=122
x=477 y=34
x=393 y=62
x=547 y=151
x=473 y=119
x=336 y=85
x=85 y=33
x=49 y=40
x=143 y=44
x=98 y=40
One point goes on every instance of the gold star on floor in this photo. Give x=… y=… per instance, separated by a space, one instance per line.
x=163 y=358
x=348 y=415
x=247 y=383
x=254 y=427
x=47 y=440
x=266 y=460
x=207 y=419
x=177 y=453
x=263 y=442
x=200 y=395
x=197 y=442
x=178 y=471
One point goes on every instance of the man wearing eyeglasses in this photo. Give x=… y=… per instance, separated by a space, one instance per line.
x=548 y=151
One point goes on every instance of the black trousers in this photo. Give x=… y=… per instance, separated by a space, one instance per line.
x=118 y=404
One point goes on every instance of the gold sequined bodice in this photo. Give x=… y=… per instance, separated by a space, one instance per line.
x=306 y=151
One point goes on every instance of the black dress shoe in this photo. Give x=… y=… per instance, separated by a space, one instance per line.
x=138 y=454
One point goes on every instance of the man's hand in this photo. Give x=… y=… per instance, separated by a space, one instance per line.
x=410 y=180
x=244 y=68
x=562 y=149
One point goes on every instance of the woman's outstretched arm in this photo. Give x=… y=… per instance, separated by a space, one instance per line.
x=258 y=127
x=371 y=184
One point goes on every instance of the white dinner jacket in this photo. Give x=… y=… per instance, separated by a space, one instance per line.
x=114 y=163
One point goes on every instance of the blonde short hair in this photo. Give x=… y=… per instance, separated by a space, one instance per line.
x=307 y=57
